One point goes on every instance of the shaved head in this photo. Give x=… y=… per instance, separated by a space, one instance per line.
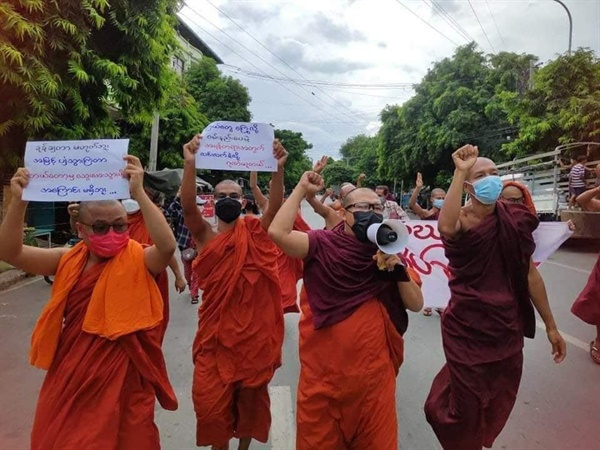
x=345 y=189
x=89 y=211
x=359 y=195
x=482 y=167
x=438 y=193
x=228 y=186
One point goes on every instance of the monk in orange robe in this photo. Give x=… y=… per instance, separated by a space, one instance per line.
x=240 y=330
x=99 y=335
x=353 y=318
x=494 y=288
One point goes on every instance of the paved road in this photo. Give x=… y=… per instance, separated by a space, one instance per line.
x=557 y=409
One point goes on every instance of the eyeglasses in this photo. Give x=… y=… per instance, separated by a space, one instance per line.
x=514 y=200
x=364 y=206
x=103 y=227
x=233 y=196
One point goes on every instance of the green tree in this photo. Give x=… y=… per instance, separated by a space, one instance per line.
x=562 y=107
x=67 y=67
x=218 y=97
x=360 y=152
x=338 y=172
x=298 y=161
x=179 y=121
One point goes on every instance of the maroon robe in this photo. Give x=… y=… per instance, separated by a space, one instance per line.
x=482 y=329
x=587 y=305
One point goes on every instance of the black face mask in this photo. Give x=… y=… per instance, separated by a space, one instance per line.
x=362 y=221
x=228 y=209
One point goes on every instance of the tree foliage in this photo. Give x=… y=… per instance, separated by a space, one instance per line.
x=458 y=101
x=65 y=67
x=562 y=107
x=338 y=172
x=360 y=152
x=219 y=97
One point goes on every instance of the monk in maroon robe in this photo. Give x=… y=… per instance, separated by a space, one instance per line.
x=354 y=315
x=493 y=283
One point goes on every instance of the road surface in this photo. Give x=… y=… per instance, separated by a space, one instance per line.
x=558 y=407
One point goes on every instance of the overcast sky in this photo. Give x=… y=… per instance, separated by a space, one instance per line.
x=355 y=46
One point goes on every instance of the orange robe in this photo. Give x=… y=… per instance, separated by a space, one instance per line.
x=139 y=233
x=347 y=386
x=240 y=333
x=290 y=272
x=100 y=391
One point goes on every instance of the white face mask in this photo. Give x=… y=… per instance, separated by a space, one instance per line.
x=131 y=206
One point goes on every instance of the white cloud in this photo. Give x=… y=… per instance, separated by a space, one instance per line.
x=367 y=42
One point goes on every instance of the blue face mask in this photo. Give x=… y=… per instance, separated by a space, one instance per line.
x=438 y=203
x=488 y=189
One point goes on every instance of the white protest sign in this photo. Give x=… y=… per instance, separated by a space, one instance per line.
x=237 y=146
x=425 y=254
x=66 y=171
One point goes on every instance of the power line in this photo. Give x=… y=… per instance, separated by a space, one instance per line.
x=481 y=25
x=440 y=8
x=426 y=23
x=267 y=62
x=274 y=54
x=495 y=23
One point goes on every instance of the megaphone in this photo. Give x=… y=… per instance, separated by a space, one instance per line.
x=390 y=236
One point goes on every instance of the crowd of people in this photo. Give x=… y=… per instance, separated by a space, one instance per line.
x=100 y=335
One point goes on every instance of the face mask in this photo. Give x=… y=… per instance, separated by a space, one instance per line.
x=131 y=206
x=228 y=209
x=362 y=221
x=109 y=244
x=488 y=189
x=438 y=203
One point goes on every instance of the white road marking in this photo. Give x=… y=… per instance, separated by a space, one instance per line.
x=567 y=337
x=283 y=423
x=26 y=283
x=564 y=266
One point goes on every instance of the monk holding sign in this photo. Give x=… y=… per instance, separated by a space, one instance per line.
x=240 y=331
x=99 y=335
x=353 y=318
x=493 y=283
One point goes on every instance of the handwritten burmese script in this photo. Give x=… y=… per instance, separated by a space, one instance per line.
x=76 y=170
x=237 y=146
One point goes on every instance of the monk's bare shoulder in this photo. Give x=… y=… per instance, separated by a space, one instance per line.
x=467 y=219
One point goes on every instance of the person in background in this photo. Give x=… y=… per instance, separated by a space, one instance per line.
x=437 y=201
x=185 y=243
x=515 y=192
x=577 y=184
x=590 y=200
x=392 y=210
x=587 y=308
x=250 y=208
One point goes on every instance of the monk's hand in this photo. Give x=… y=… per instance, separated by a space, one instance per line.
x=280 y=153
x=135 y=173
x=18 y=182
x=362 y=177
x=180 y=284
x=312 y=183
x=559 y=346
x=329 y=192
x=571 y=225
x=191 y=148
x=465 y=157
x=419 y=183
x=320 y=164
x=386 y=262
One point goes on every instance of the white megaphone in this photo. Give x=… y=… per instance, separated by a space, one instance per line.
x=390 y=236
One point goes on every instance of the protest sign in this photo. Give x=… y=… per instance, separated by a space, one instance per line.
x=208 y=209
x=237 y=146
x=425 y=254
x=76 y=170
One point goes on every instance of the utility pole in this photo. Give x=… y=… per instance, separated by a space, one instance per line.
x=154 y=143
x=570 y=24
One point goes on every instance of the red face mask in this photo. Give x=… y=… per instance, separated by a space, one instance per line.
x=109 y=244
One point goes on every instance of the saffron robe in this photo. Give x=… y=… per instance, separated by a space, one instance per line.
x=240 y=333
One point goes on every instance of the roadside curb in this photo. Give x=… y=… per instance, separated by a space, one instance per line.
x=11 y=277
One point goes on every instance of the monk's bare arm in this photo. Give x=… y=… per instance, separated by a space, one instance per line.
x=281 y=231
x=588 y=201
x=330 y=215
x=415 y=207
x=35 y=260
x=411 y=294
x=276 y=189
x=539 y=298
x=199 y=228
x=261 y=201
